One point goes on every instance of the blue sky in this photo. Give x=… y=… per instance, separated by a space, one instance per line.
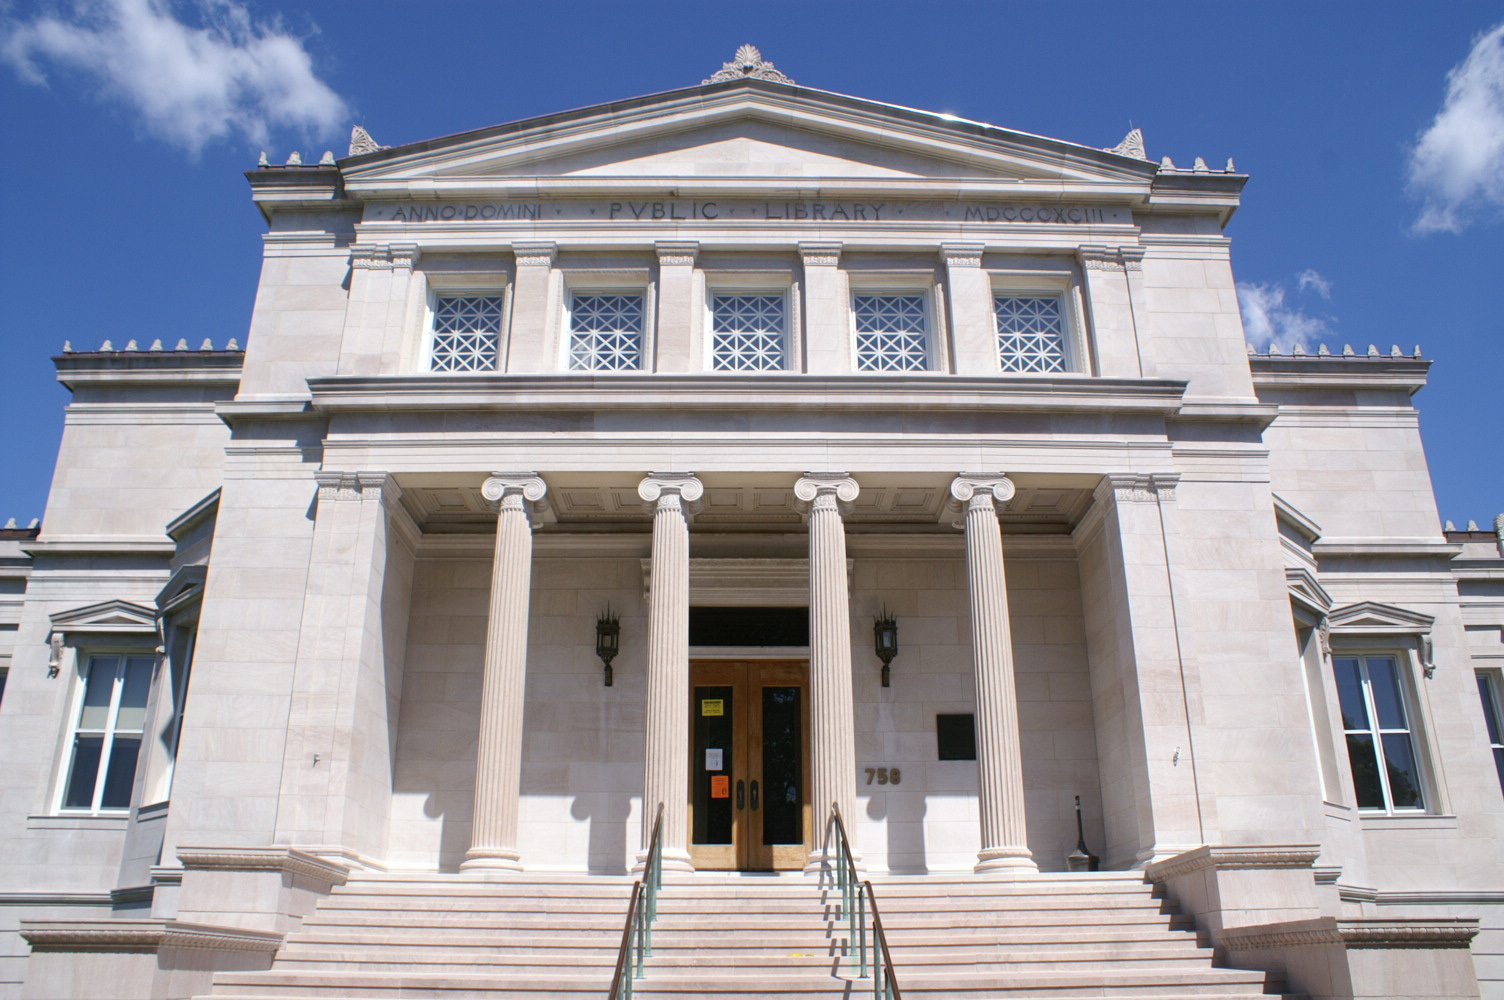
x=1373 y=133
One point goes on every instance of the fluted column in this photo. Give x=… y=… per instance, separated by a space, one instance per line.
x=1000 y=775
x=666 y=765
x=498 y=765
x=832 y=729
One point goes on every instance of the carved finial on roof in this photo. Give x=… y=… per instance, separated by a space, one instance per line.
x=748 y=64
x=130 y=345
x=1298 y=350
x=1132 y=145
x=33 y=523
x=1449 y=526
x=67 y=347
x=361 y=142
x=1230 y=168
x=1347 y=350
x=1166 y=163
x=233 y=345
x=1200 y=166
x=182 y=344
x=1322 y=351
x=10 y=525
x=263 y=161
x=294 y=159
x=106 y=346
x=327 y=160
x=1417 y=350
x=1373 y=350
x=1394 y=351
x=156 y=345
x=1472 y=525
x=207 y=345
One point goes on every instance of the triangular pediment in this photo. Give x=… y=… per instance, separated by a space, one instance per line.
x=108 y=616
x=746 y=131
x=1373 y=617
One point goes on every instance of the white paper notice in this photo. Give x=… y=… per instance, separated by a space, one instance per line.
x=713 y=759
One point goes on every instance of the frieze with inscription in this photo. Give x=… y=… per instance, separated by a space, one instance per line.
x=837 y=211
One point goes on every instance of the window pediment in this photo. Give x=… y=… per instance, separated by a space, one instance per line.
x=1373 y=618
x=107 y=617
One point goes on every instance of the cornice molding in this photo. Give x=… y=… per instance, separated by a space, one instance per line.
x=1233 y=858
x=285 y=860
x=1431 y=932
x=148 y=936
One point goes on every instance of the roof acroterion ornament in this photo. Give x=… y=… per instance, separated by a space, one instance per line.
x=1132 y=145
x=361 y=142
x=748 y=64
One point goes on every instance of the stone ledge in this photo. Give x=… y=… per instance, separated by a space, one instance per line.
x=1229 y=858
x=1430 y=932
x=286 y=860
x=142 y=936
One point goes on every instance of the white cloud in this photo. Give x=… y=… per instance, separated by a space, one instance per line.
x=190 y=84
x=1457 y=165
x=1311 y=279
x=1269 y=319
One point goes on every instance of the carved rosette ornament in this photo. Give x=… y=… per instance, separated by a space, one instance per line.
x=748 y=64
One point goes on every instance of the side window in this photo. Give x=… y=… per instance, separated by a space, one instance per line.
x=1488 y=691
x=1376 y=721
x=107 y=731
x=605 y=332
x=1030 y=333
x=749 y=333
x=466 y=333
x=892 y=333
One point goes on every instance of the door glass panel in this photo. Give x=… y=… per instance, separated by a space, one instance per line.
x=713 y=737
x=782 y=766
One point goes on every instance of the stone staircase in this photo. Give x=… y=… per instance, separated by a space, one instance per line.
x=534 y=937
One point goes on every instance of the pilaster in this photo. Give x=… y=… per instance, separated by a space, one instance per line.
x=827 y=330
x=531 y=341
x=969 y=306
x=381 y=279
x=824 y=496
x=336 y=772
x=671 y=497
x=1112 y=308
x=498 y=769
x=677 y=308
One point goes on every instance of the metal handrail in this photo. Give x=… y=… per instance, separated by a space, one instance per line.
x=856 y=896
x=637 y=934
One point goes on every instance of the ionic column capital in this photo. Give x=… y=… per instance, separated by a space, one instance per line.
x=524 y=485
x=681 y=489
x=977 y=490
x=819 y=489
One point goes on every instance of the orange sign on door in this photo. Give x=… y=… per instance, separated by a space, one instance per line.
x=720 y=786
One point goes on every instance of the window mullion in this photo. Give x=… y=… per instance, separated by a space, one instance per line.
x=1377 y=728
x=107 y=745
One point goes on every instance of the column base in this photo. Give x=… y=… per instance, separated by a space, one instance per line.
x=821 y=861
x=491 y=859
x=1005 y=861
x=673 y=861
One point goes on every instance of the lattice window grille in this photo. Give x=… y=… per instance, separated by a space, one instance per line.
x=466 y=333
x=891 y=333
x=1030 y=333
x=606 y=333
x=747 y=333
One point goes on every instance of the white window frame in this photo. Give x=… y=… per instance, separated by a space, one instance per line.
x=1491 y=696
x=439 y=291
x=1410 y=703
x=1061 y=287
x=735 y=285
x=83 y=663
x=645 y=343
x=874 y=285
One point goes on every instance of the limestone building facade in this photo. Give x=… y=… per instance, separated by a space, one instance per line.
x=718 y=380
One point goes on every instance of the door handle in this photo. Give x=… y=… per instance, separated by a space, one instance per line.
x=754 y=796
x=741 y=795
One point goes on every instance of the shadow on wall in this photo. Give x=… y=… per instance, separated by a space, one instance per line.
x=904 y=813
x=608 y=814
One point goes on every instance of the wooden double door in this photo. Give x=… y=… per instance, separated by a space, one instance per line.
x=749 y=764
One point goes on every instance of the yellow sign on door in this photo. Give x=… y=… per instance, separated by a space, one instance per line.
x=712 y=706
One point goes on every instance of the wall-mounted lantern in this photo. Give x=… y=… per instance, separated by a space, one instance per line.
x=885 y=640
x=607 y=640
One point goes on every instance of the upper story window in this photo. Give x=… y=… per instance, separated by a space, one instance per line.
x=748 y=332
x=107 y=731
x=1030 y=333
x=1381 y=745
x=892 y=333
x=605 y=332
x=466 y=333
x=1488 y=690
